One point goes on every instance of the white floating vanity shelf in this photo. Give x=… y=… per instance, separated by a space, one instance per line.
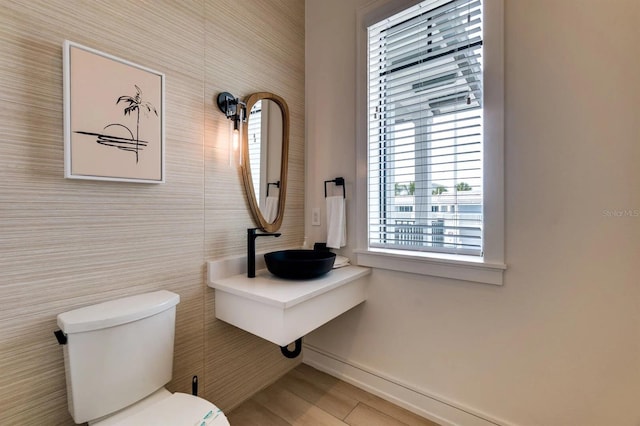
x=282 y=311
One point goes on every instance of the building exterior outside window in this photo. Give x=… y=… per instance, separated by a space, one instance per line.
x=425 y=129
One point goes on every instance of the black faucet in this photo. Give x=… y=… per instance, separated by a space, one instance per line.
x=251 y=249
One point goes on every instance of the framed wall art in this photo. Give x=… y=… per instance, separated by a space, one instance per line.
x=114 y=118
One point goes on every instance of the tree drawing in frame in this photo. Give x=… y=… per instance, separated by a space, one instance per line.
x=114 y=118
x=126 y=144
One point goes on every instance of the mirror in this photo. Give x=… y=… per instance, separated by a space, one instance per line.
x=265 y=151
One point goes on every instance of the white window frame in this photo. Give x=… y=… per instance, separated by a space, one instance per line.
x=489 y=267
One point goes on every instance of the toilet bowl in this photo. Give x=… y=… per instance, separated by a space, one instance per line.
x=118 y=357
x=166 y=409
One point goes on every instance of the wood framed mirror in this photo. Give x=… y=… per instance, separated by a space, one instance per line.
x=265 y=153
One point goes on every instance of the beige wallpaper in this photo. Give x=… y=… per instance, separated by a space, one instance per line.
x=69 y=243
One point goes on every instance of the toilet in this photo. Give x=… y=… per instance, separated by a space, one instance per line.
x=118 y=356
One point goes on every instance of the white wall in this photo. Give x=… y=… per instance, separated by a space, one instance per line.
x=559 y=343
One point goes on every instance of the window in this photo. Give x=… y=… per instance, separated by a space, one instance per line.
x=433 y=138
x=255 y=142
x=425 y=126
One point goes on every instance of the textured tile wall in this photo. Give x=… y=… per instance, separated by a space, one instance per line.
x=69 y=243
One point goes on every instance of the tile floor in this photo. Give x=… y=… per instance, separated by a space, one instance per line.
x=308 y=397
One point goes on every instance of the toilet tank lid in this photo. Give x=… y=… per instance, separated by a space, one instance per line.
x=116 y=312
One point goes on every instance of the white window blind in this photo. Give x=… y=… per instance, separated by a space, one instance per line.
x=425 y=129
x=254 y=140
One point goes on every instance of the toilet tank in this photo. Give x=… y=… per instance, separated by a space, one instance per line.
x=117 y=352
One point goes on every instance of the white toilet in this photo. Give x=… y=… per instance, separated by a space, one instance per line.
x=118 y=356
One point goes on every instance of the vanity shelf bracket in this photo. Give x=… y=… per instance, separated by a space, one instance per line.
x=292 y=354
x=339 y=181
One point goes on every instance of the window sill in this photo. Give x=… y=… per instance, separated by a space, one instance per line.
x=466 y=268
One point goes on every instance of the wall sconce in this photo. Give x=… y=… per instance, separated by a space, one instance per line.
x=235 y=110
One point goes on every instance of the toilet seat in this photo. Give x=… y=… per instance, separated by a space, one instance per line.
x=178 y=409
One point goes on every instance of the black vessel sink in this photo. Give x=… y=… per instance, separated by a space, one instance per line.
x=299 y=264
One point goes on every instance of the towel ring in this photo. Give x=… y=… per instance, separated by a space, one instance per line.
x=276 y=184
x=339 y=181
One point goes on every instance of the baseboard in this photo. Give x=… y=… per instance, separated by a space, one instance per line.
x=431 y=407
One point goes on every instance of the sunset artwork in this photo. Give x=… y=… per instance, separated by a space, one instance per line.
x=114 y=118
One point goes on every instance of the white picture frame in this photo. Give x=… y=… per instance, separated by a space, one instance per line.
x=114 y=118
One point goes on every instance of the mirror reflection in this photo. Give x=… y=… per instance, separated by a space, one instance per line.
x=265 y=154
x=264 y=140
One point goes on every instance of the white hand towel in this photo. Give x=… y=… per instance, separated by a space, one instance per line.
x=336 y=222
x=340 y=262
x=271 y=208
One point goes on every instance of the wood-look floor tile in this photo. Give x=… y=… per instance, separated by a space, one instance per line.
x=363 y=415
x=294 y=409
x=250 y=413
x=308 y=397
x=339 y=387
x=335 y=403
